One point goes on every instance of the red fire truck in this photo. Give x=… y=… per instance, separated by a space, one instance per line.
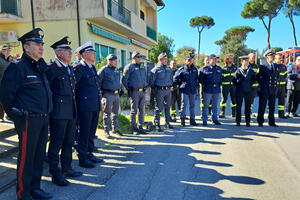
x=290 y=55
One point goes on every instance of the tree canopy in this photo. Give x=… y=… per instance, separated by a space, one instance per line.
x=201 y=23
x=263 y=9
x=291 y=9
x=164 y=44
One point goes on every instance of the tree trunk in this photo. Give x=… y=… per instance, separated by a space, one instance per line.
x=269 y=33
x=198 y=47
x=293 y=25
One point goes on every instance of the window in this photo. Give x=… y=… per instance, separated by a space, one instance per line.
x=142 y=15
x=130 y=55
x=291 y=57
x=102 y=51
x=123 y=58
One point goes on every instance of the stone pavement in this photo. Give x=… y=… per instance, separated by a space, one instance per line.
x=214 y=162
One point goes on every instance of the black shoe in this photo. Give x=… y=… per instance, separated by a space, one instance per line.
x=238 y=124
x=106 y=135
x=93 y=158
x=86 y=164
x=274 y=125
x=233 y=116
x=141 y=131
x=40 y=194
x=60 y=180
x=295 y=115
x=282 y=117
x=169 y=126
x=72 y=173
x=204 y=123
x=135 y=131
x=158 y=128
x=222 y=116
x=118 y=133
x=182 y=122
x=216 y=122
x=193 y=122
x=173 y=119
x=260 y=125
x=248 y=124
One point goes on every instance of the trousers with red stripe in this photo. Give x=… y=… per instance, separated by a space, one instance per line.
x=33 y=134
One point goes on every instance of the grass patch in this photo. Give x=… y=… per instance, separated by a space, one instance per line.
x=124 y=123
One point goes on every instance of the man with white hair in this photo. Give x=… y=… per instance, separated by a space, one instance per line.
x=88 y=104
x=63 y=116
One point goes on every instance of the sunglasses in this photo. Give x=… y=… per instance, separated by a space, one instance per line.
x=138 y=56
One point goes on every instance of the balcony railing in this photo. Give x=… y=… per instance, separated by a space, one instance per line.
x=10 y=7
x=151 y=33
x=118 y=12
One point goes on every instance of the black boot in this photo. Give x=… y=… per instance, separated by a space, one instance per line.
x=233 y=112
x=281 y=114
x=222 y=115
x=158 y=127
x=193 y=122
x=182 y=122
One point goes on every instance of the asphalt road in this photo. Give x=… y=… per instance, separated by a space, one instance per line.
x=214 y=162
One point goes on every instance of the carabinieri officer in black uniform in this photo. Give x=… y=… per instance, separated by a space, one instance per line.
x=63 y=117
x=88 y=105
x=267 y=78
x=27 y=99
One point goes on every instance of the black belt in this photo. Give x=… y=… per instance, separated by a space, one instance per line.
x=163 y=87
x=112 y=91
x=37 y=115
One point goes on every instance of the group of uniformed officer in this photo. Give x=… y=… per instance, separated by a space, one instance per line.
x=69 y=98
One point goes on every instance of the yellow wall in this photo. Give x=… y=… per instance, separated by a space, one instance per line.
x=55 y=30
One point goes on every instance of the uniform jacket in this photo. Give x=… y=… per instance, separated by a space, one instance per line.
x=255 y=68
x=227 y=74
x=135 y=76
x=25 y=86
x=293 y=72
x=109 y=78
x=87 y=91
x=62 y=85
x=211 y=77
x=267 y=78
x=161 y=76
x=282 y=69
x=243 y=80
x=187 y=79
x=3 y=65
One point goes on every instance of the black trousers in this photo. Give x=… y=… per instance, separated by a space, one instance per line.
x=88 y=122
x=281 y=97
x=247 y=97
x=175 y=99
x=226 y=90
x=264 y=97
x=62 y=135
x=296 y=101
x=33 y=134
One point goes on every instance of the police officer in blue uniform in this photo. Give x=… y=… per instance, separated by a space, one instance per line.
x=243 y=79
x=161 y=81
x=135 y=81
x=211 y=77
x=267 y=78
x=110 y=82
x=187 y=80
x=88 y=105
x=27 y=99
x=61 y=79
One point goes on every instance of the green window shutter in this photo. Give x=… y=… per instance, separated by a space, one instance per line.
x=111 y=50
x=97 y=51
x=9 y=6
x=104 y=51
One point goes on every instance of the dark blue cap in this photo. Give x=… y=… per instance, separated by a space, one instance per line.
x=189 y=56
x=36 y=35
x=112 y=57
x=64 y=43
x=212 y=56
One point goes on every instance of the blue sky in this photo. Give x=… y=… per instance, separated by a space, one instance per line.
x=173 y=21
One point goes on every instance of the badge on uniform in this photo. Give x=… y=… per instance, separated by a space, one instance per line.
x=141 y=90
